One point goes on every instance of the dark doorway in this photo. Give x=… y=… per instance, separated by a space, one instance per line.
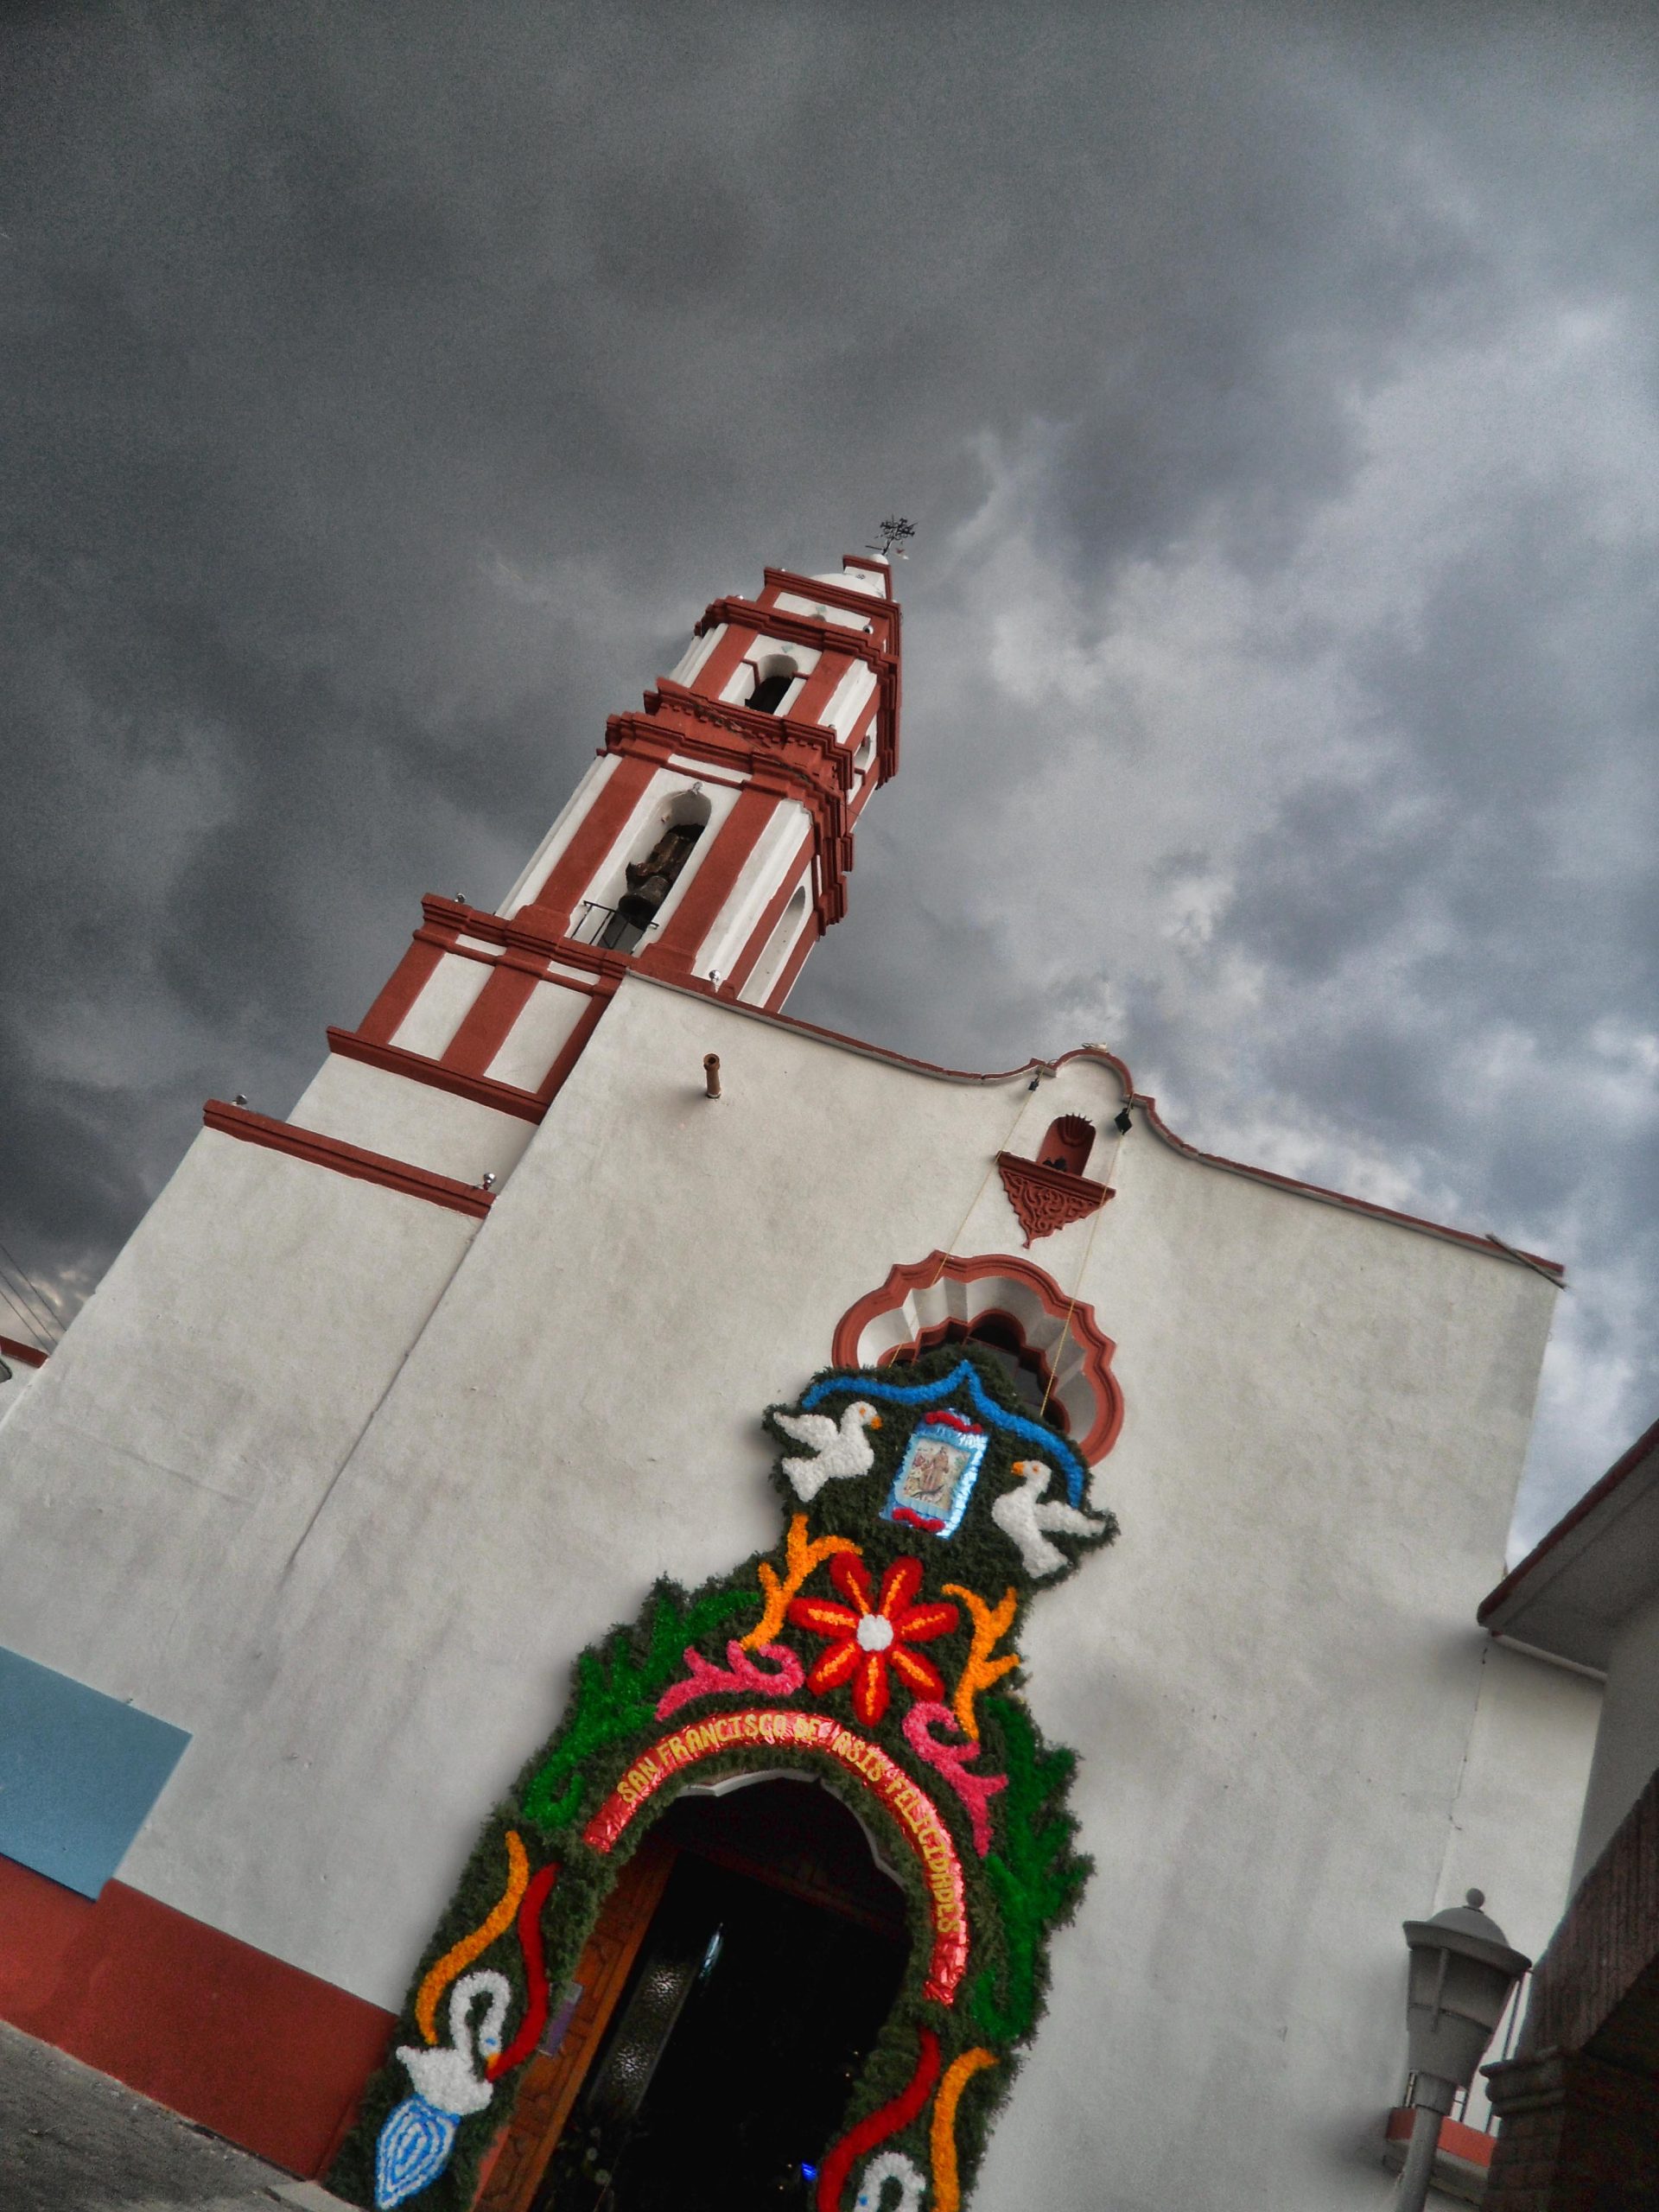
x=762 y=1982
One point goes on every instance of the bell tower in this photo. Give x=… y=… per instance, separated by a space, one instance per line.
x=709 y=844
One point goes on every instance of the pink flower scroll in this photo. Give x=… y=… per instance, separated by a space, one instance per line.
x=952 y=1760
x=740 y=1677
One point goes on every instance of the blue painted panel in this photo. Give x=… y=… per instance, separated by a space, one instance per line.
x=79 y=1773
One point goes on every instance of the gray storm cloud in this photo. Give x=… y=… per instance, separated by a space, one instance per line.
x=386 y=392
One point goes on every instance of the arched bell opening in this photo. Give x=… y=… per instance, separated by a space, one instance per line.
x=656 y=865
x=775 y=678
x=741 y=1888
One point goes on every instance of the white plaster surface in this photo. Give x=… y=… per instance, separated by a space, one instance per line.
x=786 y=934
x=548 y=853
x=686 y=669
x=1627 y=1748
x=533 y=1042
x=446 y=998
x=791 y=602
x=1291 y=1737
x=775 y=850
x=852 y=695
x=410 y=1120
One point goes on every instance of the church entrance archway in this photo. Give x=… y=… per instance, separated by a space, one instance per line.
x=674 y=2014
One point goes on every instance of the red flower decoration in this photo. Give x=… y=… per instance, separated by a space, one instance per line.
x=870 y=1637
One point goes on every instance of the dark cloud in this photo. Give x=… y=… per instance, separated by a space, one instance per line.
x=385 y=390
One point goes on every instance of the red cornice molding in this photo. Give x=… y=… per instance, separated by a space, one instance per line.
x=502 y=1097
x=829 y=594
x=818 y=633
x=350 y=1160
x=31 y=1355
x=1512 y=1255
x=1047 y=1198
x=772 y=733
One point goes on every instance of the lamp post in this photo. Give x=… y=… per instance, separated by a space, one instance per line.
x=1463 y=1973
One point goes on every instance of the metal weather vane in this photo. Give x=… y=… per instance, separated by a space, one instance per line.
x=893 y=532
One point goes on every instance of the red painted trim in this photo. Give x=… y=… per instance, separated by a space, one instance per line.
x=1045 y=1199
x=811 y=701
x=594 y=834
x=482 y=1089
x=1092 y=1340
x=30 y=1355
x=725 y=658
x=815 y=632
x=263 y=2054
x=408 y=979
x=1147 y=1106
x=1471 y=2145
x=488 y=1021
x=1596 y=1496
x=712 y=885
x=345 y=1159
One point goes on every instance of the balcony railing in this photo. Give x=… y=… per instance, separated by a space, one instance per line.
x=592 y=923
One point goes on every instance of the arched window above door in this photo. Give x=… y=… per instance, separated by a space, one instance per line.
x=1012 y=1307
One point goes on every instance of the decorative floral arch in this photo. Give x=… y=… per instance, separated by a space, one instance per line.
x=918 y=1299
x=871 y=1649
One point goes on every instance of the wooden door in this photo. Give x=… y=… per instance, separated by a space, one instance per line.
x=549 y=2086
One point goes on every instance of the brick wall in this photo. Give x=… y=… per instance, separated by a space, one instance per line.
x=1579 y=2104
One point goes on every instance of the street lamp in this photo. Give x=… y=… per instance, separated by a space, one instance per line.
x=1463 y=1973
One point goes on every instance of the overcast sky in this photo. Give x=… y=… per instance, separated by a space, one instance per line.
x=386 y=390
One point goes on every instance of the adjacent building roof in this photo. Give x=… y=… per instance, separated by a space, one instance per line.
x=1572 y=1590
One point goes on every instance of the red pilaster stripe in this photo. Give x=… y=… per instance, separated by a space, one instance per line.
x=491 y=1016
x=265 y=2055
x=812 y=700
x=482 y=1089
x=345 y=1158
x=408 y=979
x=712 y=885
x=595 y=834
x=718 y=670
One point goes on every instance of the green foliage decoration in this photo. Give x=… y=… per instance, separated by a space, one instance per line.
x=1026 y=1880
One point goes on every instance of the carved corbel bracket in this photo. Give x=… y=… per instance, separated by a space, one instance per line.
x=1047 y=1198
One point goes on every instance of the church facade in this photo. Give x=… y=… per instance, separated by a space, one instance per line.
x=359 y=1766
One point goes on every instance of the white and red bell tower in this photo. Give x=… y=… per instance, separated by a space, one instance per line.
x=708 y=845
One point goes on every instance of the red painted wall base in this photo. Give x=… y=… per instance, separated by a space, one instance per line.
x=269 y=2058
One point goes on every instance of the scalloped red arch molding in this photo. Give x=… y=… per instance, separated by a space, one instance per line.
x=1086 y=1383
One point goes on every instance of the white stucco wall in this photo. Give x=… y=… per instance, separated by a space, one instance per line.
x=446 y=999
x=551 y=848
x=156 y=1479
x=1291 y=1737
